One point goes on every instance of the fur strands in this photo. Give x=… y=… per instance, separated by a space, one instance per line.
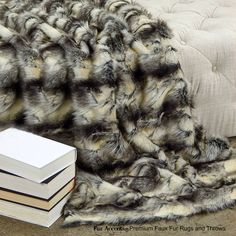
x=104 y=76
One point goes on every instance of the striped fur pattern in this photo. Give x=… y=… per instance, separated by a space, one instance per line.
x=104 y=76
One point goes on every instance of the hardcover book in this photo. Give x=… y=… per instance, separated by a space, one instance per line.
x=31 y=214
x=40 y=203
x=31 y=156
x=43 y=190
x=37 y=176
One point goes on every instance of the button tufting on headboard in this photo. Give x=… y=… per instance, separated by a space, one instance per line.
x=214 y=68
x=206 y=34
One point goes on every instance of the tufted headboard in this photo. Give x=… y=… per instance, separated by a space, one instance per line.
x=205 y=36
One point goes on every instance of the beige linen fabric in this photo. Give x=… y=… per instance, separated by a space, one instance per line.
x=205 y=34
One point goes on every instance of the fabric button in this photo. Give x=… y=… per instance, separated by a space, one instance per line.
x=214 y=68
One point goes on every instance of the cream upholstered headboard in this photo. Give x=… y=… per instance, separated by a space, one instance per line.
x=205 y=33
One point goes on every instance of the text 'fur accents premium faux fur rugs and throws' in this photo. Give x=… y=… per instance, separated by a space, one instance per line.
x=105 y=76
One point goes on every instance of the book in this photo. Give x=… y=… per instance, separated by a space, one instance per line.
x=43 y=190
x=33 y=215
x=44 y=204
x=31 y=156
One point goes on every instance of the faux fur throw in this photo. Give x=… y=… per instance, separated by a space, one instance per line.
x=105 y=77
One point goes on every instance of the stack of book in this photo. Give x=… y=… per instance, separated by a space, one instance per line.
x=37 y=176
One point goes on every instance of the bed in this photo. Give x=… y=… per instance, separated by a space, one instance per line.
x=205 y=36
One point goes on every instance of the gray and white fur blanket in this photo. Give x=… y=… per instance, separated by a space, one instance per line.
x=104 y=76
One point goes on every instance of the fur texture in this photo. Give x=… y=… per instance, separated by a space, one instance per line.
x=103 y=75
